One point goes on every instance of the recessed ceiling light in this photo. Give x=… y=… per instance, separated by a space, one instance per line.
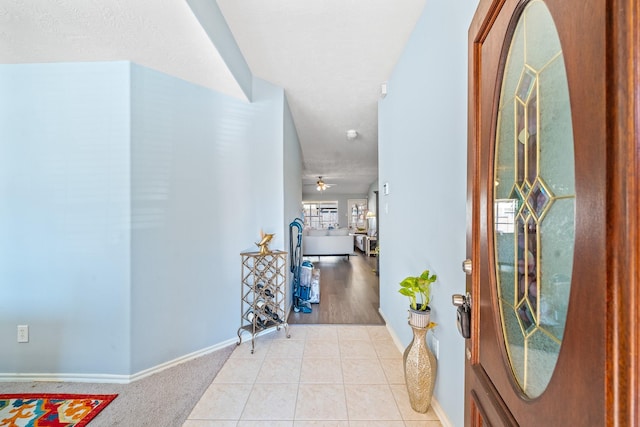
x=352 y=134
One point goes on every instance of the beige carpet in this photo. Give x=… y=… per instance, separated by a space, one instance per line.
x=164 y=399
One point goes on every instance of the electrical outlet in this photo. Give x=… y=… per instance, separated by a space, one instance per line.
x=23 y=333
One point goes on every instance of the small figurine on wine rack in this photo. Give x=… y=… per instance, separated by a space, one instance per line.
x=264 y=242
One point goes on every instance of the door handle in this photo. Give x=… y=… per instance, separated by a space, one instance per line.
x=467 y=267
x=463 y=313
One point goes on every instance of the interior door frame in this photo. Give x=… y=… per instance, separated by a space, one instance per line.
x=622 y=151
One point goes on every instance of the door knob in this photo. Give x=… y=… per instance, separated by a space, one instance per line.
x=467 y=267
x=458 y=299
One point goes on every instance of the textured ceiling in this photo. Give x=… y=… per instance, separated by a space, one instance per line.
x=159 y=34
x=330 y=56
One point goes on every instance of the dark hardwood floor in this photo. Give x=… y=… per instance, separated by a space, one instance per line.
x=349 y=292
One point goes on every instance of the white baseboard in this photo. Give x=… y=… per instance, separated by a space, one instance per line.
x=113 y=378
x=444 y=419
x=65 y=377
x=394 y=337
x=161 y=367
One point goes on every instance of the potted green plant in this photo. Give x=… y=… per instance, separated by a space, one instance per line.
x=419 y=363
x=418 y=289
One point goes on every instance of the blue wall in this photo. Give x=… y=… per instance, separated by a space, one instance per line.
x=206 y=174
x=292 y=169
x=129 y=196
x=64 y=217
x=422 y=156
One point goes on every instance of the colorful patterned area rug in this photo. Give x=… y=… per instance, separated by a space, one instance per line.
x=51 y=410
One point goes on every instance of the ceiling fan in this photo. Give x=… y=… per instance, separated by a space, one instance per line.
x=321 y=185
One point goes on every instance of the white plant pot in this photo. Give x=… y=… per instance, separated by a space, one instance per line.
x=419 y=318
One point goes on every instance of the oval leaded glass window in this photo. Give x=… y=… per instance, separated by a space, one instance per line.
x=534 y=199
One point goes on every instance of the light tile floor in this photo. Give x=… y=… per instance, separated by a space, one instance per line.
x=324 y=375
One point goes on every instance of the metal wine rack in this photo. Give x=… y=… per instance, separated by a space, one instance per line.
x=262 y=297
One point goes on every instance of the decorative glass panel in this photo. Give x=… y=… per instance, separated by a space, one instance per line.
x=534 y=200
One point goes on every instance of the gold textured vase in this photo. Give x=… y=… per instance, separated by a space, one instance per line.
x=419 y=370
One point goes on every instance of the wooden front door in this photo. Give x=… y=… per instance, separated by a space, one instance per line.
x=553 y=202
